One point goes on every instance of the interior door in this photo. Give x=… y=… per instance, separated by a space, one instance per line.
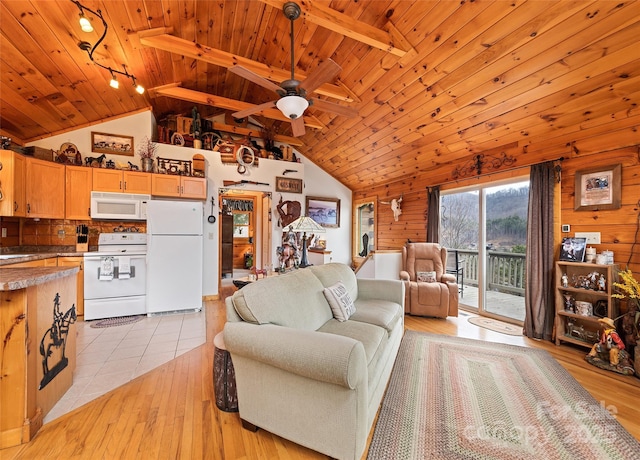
x=227 y=243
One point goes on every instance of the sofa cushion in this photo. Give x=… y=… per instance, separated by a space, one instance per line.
x=373 y=338
x=383 y=313
x=341 y=304
x=330 y=274
x=292 y=300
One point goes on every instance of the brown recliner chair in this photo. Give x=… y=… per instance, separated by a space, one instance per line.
x=438 y=298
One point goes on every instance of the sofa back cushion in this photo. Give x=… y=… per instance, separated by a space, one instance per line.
x=292 y=300
x=330 y=274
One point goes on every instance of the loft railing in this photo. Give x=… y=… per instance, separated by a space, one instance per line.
x=505 y=270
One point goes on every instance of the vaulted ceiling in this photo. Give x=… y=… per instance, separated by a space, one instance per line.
x=433 y=83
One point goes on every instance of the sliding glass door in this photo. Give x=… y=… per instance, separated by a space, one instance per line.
x=485 y=228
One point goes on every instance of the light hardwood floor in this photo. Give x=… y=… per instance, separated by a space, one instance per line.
x=170 y=412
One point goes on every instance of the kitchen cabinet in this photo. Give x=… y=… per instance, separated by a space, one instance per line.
x=64 y=261
x=581 y=282
x=48 y=262
x=13 y=200
x=179 y=186
x=45 y=183
x=115 y=180
x=78 y=183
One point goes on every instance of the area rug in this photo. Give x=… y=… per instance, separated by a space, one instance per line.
x=454 y=398
x=495 y=325
x=121 y=321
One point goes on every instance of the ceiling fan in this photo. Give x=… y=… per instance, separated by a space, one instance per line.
x=293 y=93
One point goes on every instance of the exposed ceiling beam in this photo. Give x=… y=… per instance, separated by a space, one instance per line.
x=159 y=39
x=256 y=133
x=390 y=40
x=175 y=91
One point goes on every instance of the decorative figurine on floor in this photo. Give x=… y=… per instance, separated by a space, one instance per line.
x=609 y=353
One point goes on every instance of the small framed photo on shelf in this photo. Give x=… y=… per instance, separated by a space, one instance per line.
x=573 y=249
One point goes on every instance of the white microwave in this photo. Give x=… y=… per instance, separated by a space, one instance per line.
x=119 y=206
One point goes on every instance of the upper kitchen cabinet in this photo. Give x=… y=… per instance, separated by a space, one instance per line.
x=179 y=186
x=114 y=180
x=78 y=186
x=13 y=200
x=45 y=189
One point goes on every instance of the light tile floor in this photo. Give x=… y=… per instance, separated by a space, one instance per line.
x=112 y=356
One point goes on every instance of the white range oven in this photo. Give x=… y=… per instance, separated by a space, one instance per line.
x=115 y=276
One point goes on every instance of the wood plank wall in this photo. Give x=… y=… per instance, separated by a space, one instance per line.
x=617 y=227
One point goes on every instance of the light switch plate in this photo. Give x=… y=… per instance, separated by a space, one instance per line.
x=592 y=237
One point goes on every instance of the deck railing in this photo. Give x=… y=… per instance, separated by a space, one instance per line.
x=505 y=270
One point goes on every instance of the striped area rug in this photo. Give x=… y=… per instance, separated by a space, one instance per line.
x=455 y=398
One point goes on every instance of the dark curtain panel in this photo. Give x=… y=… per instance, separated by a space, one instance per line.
x=539 y=298
x=433 y=215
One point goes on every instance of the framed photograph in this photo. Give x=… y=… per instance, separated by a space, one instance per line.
x=598 y=188
x=289 y=185
x=112 y=143
x=325 y=211
x=573 y=249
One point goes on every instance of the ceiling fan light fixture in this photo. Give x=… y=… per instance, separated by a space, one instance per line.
x=292 y=107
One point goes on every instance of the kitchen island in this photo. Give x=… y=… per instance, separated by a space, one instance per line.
x=38 y=357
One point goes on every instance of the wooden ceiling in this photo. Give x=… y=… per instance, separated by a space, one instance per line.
x=434 y=83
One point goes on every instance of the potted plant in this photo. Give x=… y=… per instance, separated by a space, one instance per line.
x=147 y=152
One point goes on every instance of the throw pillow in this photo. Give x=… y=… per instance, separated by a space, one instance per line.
x=340 y=301
x=426 y=277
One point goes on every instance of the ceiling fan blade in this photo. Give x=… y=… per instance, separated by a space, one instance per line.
x=297 y=127
x=255 y=109
x=325 y=72
x=255 y=78
x=327 y=106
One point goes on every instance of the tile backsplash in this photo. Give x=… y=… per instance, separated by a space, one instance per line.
x=57 y=232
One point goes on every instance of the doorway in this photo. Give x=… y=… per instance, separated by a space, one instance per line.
x=245 y=232
x=485 y=227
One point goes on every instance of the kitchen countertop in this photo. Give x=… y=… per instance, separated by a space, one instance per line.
x=8 y=258
x=12 y=279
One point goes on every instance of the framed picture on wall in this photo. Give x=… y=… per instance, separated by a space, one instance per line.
x=573 y=249
x=112 y=143
x=289 y=185
x=598 y=188
x=325 y=211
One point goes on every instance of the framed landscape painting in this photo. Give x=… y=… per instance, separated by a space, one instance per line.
x=112 y=143
x=325 y=211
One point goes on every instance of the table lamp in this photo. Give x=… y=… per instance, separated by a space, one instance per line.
x=305 y=224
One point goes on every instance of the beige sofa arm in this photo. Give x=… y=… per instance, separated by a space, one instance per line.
x=404 y=276
x=448 y=278
x=316 y=355
x=391 y=290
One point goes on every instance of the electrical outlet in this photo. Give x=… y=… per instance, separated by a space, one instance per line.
x=592 y=237
x=4 y=232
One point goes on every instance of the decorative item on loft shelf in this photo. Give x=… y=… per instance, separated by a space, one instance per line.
x=174 y=167
x=325 y=211
x=87 y=27
x=305 y=225
x=599 y=188
x=112 y=143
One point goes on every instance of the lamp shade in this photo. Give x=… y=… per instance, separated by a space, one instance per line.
x=292 y=106
x=306 y=224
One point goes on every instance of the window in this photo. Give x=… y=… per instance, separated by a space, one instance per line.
x=241 y=224
x=364 y=235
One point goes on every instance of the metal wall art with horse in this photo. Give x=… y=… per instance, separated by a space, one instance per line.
x=54 y=342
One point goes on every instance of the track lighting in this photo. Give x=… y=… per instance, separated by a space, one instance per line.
x=86 y=26
x=114 y=81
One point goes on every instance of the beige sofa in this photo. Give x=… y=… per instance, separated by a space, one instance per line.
x=305 y=376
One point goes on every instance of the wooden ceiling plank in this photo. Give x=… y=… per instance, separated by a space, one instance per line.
x=343 y=24
x=443 y=113
x=221 y=58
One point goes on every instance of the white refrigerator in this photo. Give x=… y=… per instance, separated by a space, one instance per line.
x=174 y=255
